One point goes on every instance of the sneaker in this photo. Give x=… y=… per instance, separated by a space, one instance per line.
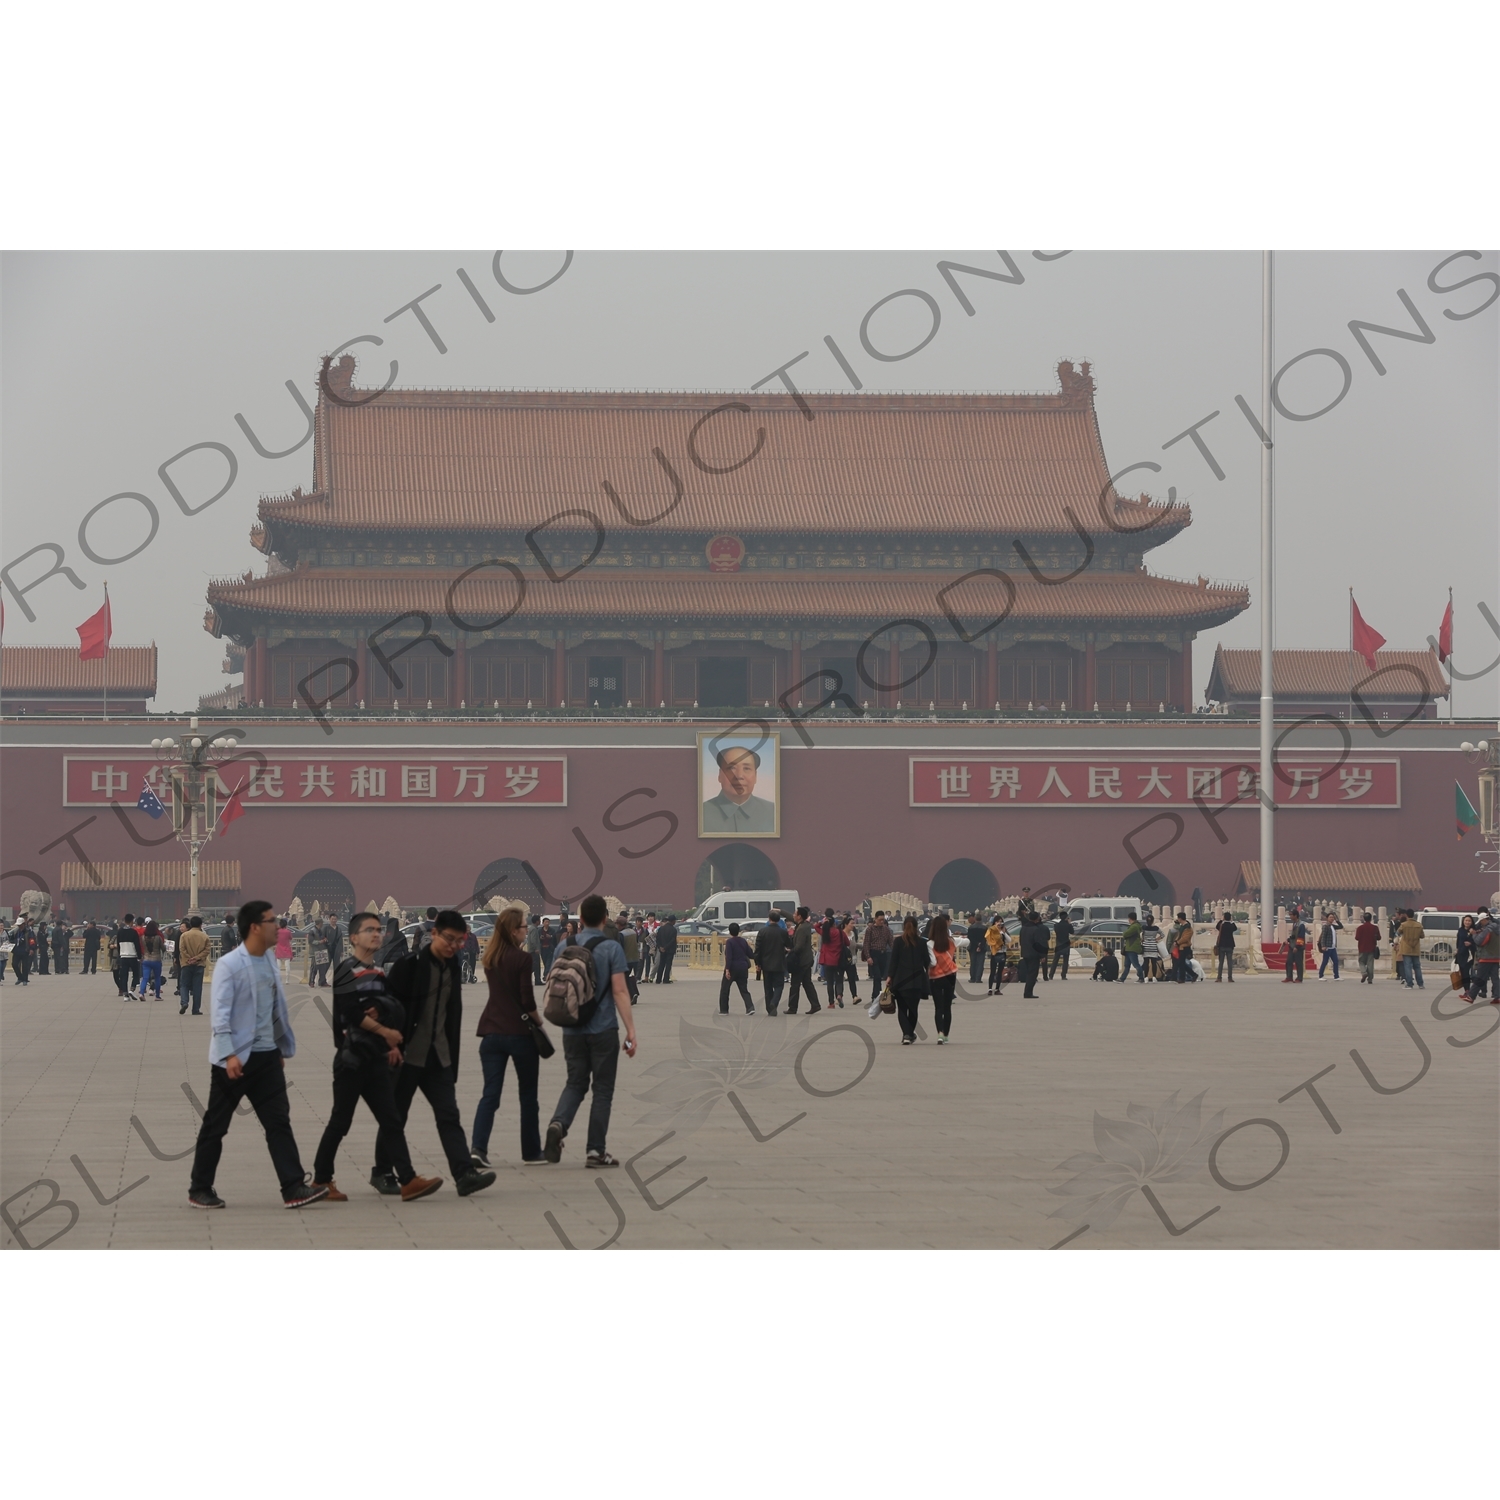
x=751 y=1011
x=385 y=1183
x=906 y=1041
x=419 y=1187
x=1322 y=978
x=300 y=1197
x=600 y=1159
x=205 y=1198
x=553 y=1148
x=473 y=1181
x=182 y=1011
x=942 y=1038
x=479 y=1159
x=535 y=1161
x=333 y=1194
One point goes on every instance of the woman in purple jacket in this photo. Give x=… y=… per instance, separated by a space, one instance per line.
x=736 y=970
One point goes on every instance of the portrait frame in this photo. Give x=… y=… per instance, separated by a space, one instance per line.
x=715 y=821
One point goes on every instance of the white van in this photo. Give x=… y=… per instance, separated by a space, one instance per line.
x=744 y=907
x=1439 y=932
x=1105 y=909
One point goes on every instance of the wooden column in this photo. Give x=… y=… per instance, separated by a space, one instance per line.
x=893 y=672
x=1185 y=676
x=659 y=669
x=460 y=673
x=797 y=669
x=991 y=675
x=364 y=689
x=262 y=671
x=560 y=673
x=1090 y=676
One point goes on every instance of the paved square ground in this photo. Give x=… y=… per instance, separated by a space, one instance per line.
x=1094 y=1105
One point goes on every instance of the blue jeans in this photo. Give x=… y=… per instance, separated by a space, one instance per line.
x=151 y=976
x=494 y=1053
x=1329 y=953
x=1411 y=969
x=593 y=1059
x=1132 y=961
x=190 y=981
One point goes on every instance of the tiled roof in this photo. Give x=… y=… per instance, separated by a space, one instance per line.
x=761 y=596
x=132 y=669
x=1327 y=674
x=168 y=875
x=1331 y=877
x=417 y=461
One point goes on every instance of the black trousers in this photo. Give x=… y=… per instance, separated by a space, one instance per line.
x=906 y=1011
x=942 y=1002
x=664 y=965
x=90 y=960
x=263 y=1083
x=21 y=965
x=60 y=962
x=1059 y=959
x=1027 y=972
x=802 y=979
x=977 y=953
x=997 y=968
x=375 y=1083
x=126 y=974
x=735 y=977
x=772 y=984
x=436 y=1083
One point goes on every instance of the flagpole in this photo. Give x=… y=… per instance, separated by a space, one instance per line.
x=1351 y=653
x=1267 y=638
x=1450 y=654
x=107 y=623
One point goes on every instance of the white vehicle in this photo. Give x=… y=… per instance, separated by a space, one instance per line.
x=1106 y=909
x=744 y=907
x=1440 y=932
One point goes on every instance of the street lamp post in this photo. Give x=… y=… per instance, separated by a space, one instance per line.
x=194 y=775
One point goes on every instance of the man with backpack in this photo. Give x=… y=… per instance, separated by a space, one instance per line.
x=591 y=1034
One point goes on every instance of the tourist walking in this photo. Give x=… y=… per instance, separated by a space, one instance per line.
x=771 y=948
x=1463 y=953
x=533 y=946
x=1296 y=950
x=996 y=940
x=247 y=1050
x=1328 y=944
x=666 y=949
x=831 y=951
x=910 y=965
x=23 y=945
x=429 y=984
x=42 y=952
x=1182 y=949
x=284 y=948
x=875 y=949
x=1410 y=937
x=508 y=1028
x=91 y=937
x=978 y=949
x=1367 y=943
x=319 y=953
x=153 y=951
x=62 y=938
x=192 y=954
x=592 y=1049
x=1033 y=952
x=469 y=956
x=943 y=975
x=1132 y=948
x=799 y=965
x=1151 y=939
x=129 y=969
x=849 y=970
x=1062 y=950
x=737 y=959
x=1224 y=931
x=367 y=1036
x=1486 y=956
x=395 y=944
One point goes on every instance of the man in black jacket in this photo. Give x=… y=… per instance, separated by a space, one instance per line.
x=429 y=984
x=91 y=936
x=771 y=947
x=978 y=948
x=1033 y=951
x=666 y=950
x=799 y=965
x=1063 y=949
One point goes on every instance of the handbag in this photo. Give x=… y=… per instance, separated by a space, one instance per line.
x=545 y=1046
x=886 y=1000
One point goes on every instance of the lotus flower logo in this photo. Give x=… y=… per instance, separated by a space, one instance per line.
x=734 y=1054
x=1167 y=1144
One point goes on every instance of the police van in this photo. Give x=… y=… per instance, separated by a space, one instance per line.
x=748 y=908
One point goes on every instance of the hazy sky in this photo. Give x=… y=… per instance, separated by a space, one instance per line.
x=114 y=362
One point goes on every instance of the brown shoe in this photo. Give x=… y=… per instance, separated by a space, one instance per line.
x=334 y=1196
x=419 y=1187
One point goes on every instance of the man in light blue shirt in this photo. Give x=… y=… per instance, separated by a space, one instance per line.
x=251 y=1040
x=592 y=1050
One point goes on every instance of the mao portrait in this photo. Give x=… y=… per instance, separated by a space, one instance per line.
x=739 y=778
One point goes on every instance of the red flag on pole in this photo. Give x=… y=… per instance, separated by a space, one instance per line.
x=1445 y=634
x=232 y=809
x=1364 y=639
x=94 y=633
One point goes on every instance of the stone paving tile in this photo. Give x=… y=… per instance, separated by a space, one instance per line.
x=956 y=1146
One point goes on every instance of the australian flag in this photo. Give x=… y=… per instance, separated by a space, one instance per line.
x=149 y=802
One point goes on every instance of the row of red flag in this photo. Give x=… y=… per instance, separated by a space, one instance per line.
x=1366 y=640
